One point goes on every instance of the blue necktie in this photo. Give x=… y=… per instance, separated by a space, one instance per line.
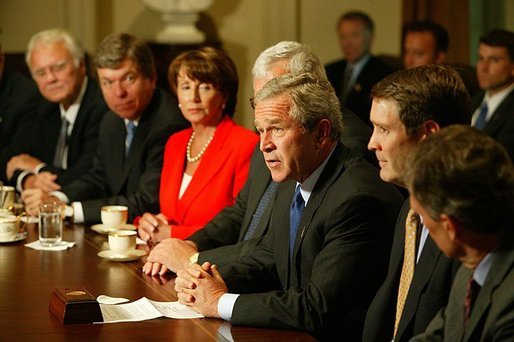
x=295 y=216
x=263 y=203
x=131 y=127
x=480 y=123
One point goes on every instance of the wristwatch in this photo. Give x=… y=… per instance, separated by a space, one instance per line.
x=193 y=259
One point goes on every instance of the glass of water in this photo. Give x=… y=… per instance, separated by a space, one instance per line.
x=50 y=223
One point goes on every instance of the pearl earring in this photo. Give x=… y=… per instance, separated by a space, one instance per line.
x=179 y=105
x=223 y=106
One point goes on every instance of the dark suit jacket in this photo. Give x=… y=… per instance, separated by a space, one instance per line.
x=501 y=124
x=19 y=98
x=428 y=292
x=133 y=180
x=358 y=99
x=339 y=258
x=492 y=316
x=81 y=142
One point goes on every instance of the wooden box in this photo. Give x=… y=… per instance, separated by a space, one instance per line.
x=74 y=306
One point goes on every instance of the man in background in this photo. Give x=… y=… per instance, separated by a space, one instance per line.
x=462 y=185
x=493 y=107
x=353 y=76
x=127 y=165
x=61 y=145
x=424 y=42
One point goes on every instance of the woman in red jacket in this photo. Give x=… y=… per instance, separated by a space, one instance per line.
x=206 y=165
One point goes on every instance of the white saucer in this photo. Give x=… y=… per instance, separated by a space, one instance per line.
x=17 y=237
x=103 y=229
x=29 y=219
x=110 y=255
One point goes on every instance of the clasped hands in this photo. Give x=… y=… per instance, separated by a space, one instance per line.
x=33 y=198
x=200 y=288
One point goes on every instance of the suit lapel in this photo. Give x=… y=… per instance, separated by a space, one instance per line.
x=500 y=115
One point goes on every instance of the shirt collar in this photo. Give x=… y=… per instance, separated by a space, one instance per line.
x=308 y=185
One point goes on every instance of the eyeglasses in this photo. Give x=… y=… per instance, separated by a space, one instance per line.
x=54 y=69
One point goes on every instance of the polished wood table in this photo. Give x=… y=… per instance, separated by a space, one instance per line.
x=28 y=277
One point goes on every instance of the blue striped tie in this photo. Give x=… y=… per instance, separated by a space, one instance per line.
x=131 y=127
x=295 y=216
x=480 y=123
x=263 y=203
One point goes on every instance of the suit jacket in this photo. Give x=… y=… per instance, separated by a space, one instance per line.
x=358 y=99
x=501 y=124
x=19 y=98
x=492 y=315
x=131 y=180
x=81 y=142
x=428 y=292
x=216 y=182
x=346 y=227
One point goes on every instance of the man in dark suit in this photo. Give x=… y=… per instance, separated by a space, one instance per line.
x=470 y=218
x=339 y=222
x=493 y=108
x=238 y=229
x=62 y=142
x=18 y=100
x=127 y=165
x=408 y=106
x=353 y=77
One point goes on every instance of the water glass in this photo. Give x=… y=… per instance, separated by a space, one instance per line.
x=50 y=223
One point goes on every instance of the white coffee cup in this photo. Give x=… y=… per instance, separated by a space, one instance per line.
x=7 y=197
x=122 y=242
x=9 y=227
x=114 y=215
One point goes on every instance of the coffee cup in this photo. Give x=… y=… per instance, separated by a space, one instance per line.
x=122 y=242
x=114 y=215
x=7 y=197
x=9 y=227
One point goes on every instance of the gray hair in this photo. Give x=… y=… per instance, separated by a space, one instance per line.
x=312 y=99
x=299 y=57
x=55 y=36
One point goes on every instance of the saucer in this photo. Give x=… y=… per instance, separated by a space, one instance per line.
x=103 y=229
x=110 y=255
x=17 y=237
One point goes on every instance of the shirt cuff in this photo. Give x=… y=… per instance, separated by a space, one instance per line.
x=226 y=305
x=78 y=212
x=21 y=177
x=38 y=168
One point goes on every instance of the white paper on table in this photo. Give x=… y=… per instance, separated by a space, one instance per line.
x=144 y=309
x=64 y=245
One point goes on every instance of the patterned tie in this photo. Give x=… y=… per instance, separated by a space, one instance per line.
x=263 y=203
x=480 y=123
x=409 y=260
x=347 y=76
x=295 y=216
x=472 y=289
x=131 y=127
x=62 y=143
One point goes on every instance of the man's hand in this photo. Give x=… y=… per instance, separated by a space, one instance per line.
x=43 y=180
x=153 y=228
x=21 y=162
x=200 y=287
x=33 y=198
x=169 y=254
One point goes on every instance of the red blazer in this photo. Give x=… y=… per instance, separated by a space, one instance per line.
x=218 y=179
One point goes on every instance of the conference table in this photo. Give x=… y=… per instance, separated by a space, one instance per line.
x=28 y=277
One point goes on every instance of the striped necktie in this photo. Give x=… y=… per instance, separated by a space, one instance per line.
x=295 y=216
x=131 y=127
x=263 y=203
x=482 y=116
x=62 y=144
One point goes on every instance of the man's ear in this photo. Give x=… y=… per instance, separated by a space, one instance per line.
x=440 y=57
x=323 y=129
x=451 y=226
x=429 y=127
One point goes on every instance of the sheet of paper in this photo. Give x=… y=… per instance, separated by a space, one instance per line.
x=175 y=310
x=144 y=309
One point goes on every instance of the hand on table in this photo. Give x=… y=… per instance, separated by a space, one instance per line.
x=33 y=198
x=170 y=254
x=200 y=288
x=153 y=228
x=21 y=162
x=43 y=180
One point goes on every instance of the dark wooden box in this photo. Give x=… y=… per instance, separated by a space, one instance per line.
x=74 y=306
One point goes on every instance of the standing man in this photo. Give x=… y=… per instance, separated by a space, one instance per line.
x=424 y=42
x=19 y=98
x=127 y=165
x=493 y=108
x=353 y=77
x=470 y=218
x=409 y=106
x=331 y=218
x=61 y=146
x=238 y=229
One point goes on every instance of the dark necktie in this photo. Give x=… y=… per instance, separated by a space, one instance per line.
x=481 y=119
x=347 y=77
x=295 y=216
x=472 y=289
x=131 y=127
x=263 y=203
x=60 y=148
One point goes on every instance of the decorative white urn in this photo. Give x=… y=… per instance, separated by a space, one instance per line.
x=180 y=17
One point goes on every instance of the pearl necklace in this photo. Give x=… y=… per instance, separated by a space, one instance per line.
x=202 y=151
